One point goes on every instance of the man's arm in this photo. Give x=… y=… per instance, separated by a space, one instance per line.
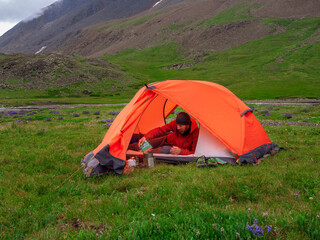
x=160 y=131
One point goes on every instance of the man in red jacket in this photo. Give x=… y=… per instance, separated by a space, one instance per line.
x=178 y=137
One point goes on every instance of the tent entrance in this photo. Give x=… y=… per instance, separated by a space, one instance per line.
x=209 y=146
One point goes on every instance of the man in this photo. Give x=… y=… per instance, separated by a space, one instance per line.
x=179 y=137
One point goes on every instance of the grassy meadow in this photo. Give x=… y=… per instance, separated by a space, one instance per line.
x=45 y=197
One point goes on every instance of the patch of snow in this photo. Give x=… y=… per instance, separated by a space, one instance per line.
x=157 y=3
x=41 y=49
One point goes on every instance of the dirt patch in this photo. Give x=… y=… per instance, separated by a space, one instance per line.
x=78 y=224
x=289 y=101
x=57 y=106
x=284 y=123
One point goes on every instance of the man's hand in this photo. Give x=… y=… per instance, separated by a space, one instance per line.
x=175 y=150
x=141 y=141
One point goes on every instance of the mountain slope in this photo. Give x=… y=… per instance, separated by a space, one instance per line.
x=64 y=17
x=93 y=28
x=198 y=26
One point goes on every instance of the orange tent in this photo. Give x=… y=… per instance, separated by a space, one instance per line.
x=226 y=124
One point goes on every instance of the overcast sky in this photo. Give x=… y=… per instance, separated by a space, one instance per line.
x=14 y=11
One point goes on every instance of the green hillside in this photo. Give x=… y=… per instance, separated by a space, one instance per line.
x=281 y=65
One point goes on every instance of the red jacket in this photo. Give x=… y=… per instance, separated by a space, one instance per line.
x=187 y=143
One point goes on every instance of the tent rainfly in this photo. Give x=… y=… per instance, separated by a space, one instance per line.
x=228 y=127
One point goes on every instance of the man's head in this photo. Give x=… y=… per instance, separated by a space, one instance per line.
x=183 y=122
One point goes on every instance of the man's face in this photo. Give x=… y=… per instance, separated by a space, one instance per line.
x=182 y=128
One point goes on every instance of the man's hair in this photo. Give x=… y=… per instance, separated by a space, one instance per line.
x=183 y=119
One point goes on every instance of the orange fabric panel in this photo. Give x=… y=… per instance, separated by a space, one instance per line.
x=125 y=118
x=255 y=135
x=152 y=116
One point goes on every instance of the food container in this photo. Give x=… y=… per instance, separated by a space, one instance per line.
x=132 y=162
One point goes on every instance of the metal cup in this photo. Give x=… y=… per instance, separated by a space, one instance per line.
x=149 y=160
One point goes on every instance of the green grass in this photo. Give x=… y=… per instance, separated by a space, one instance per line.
x=41 y=199
x=277 y=66
x=239 y=11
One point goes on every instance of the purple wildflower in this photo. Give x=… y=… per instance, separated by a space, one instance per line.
x=22 y=112
x=12 y=113
x=255 y=228
x=264 y=111
x=113 y=113
x=60 y=118
x=96 y=113
x=76 y=115
x=29 y=118
x=270 y=108
x=268 y=228
x=55 y=112
x=109 y=120
x=106 y=125
x=47 y=119
x=85 y=112
x=287 y=115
